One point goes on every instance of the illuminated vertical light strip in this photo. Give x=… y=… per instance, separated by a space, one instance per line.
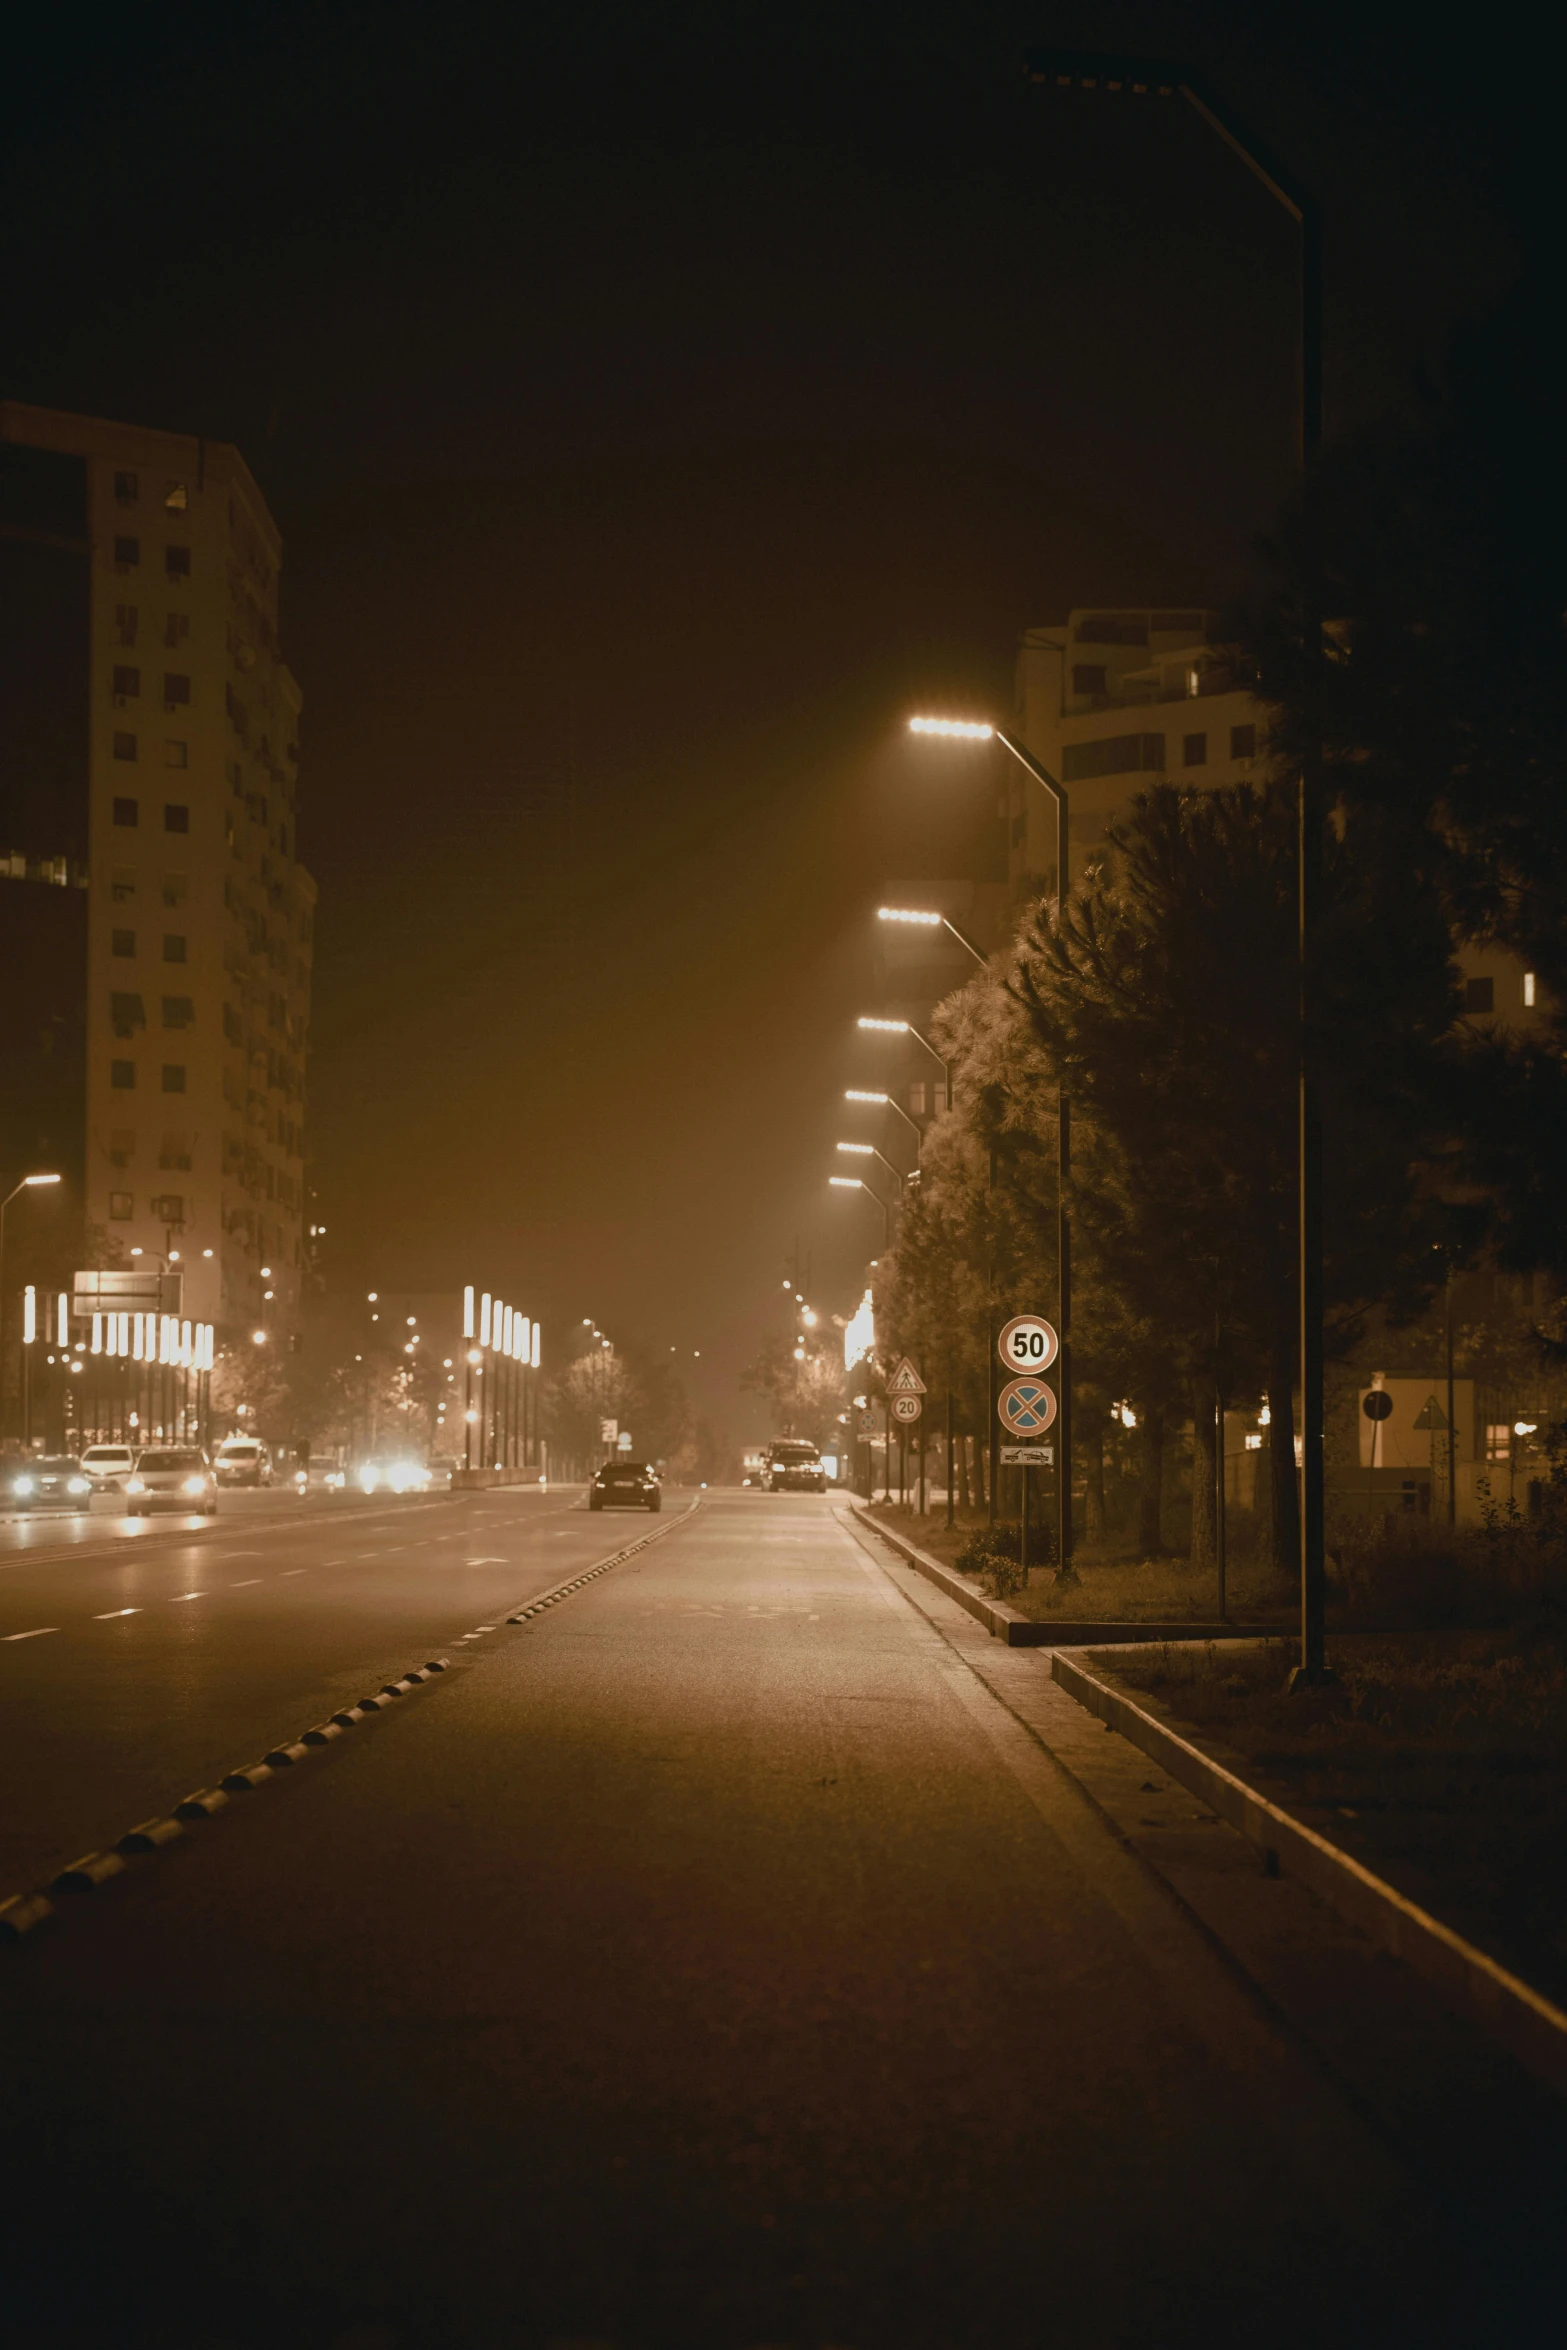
x=29 y=1315
x=187 y=1348
x=97 y=1334
x=467 y=1311
x=484 y=1319
x=63 y=1319
x=535 y=1362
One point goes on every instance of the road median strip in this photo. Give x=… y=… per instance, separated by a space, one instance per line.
x=21 y=1913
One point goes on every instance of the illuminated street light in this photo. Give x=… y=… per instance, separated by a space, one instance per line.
x=930 y=921
x=867 y=1150
x=907 y=1028
x=885 y=1101
x=970 y=730
x=853 y=1183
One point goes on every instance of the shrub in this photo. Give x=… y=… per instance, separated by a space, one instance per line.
x=995 y=1554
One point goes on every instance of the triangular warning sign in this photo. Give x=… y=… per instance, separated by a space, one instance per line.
x=905 y=1380
x=1431 y=1414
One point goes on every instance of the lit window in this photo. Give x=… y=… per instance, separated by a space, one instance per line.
x=122 y=1075
x=176 y=498
x=1499 y=1440
x=1194 y=750
x=125 y=748
x=174 y=1077
x=1528 y=989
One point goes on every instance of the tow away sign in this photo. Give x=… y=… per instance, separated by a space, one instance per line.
x=1026 y=1407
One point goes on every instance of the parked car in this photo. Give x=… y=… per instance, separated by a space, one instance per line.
x=54 y=1481
x=172 y=1477
x=107 y=1466
x=243 y=1460
x=626 y=1485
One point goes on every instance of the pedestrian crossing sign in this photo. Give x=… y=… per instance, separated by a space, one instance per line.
x=905 y=1380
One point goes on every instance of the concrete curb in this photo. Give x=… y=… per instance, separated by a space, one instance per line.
x=1019 y=1631
x=1504 y=2007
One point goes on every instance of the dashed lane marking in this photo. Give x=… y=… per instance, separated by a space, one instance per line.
x=37 y=1632
x=248 y=1582
x=110 y=1613
x=287 y=1571
x=180 y=1595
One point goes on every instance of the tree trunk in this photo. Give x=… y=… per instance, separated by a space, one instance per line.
x=960 y=1451
x=1150 y=1493
x=1204 y=1550
x=1091 y=1443
x=1283 y=1479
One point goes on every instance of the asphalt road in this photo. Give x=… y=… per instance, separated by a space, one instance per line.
x=711 y=1961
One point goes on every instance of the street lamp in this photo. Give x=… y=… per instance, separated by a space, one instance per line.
x=885 y=1101
x=28 y=1183
x=868 y=1150
x=907 y=1028
x=853 y=1183
x=981 y=731
x=1154 y=77
x=918 y=917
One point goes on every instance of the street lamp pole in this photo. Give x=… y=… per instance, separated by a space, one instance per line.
x=854 y=1094
x=853 y=1183
x=1151 y=77
x=929 y=920
x=868 y=1150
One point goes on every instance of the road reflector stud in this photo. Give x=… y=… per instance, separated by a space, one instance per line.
x=436 y=1664
x=201 y=1805
x=92 y=1869
x=22 y=1912
x=150 y=1835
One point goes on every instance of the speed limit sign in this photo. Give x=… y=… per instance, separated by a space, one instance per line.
x=1028 y=1344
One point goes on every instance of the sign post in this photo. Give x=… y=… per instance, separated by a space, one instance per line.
x=1026 y=1407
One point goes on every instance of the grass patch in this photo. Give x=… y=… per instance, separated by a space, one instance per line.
x=1439 y=1759
x=1108 y=1590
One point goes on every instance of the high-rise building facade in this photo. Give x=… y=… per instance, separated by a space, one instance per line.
x=149 y=735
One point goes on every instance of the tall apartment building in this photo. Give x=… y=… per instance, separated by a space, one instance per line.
x=1113 y=702
x=148 y=761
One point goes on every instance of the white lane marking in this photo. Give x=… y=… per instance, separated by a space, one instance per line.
x=486 y=1561
x=179 y=1595
x=110 y=1613
x=246 y=1584
x=36 y=1634
x=287 y=1571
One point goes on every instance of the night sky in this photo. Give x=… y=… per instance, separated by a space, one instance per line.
x=656 y=405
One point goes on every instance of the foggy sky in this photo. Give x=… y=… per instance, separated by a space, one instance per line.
x=653 y=410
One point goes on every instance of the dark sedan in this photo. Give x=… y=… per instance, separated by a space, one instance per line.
x=626 y=1485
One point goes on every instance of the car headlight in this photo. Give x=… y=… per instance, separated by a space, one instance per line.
x=368 y=1480
x=79 y=1485
x=194 y=1485
x=134 y=1485
x=22 y=1485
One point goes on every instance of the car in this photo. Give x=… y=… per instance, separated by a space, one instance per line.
x=391 y=1473
x=242 y=1460
x=793 y=1466
x=108 y=1465
x=54 y=1481
x=626 y=1485
x=172 y=1477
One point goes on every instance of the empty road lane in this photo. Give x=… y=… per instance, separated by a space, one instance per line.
x=711 y=1961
